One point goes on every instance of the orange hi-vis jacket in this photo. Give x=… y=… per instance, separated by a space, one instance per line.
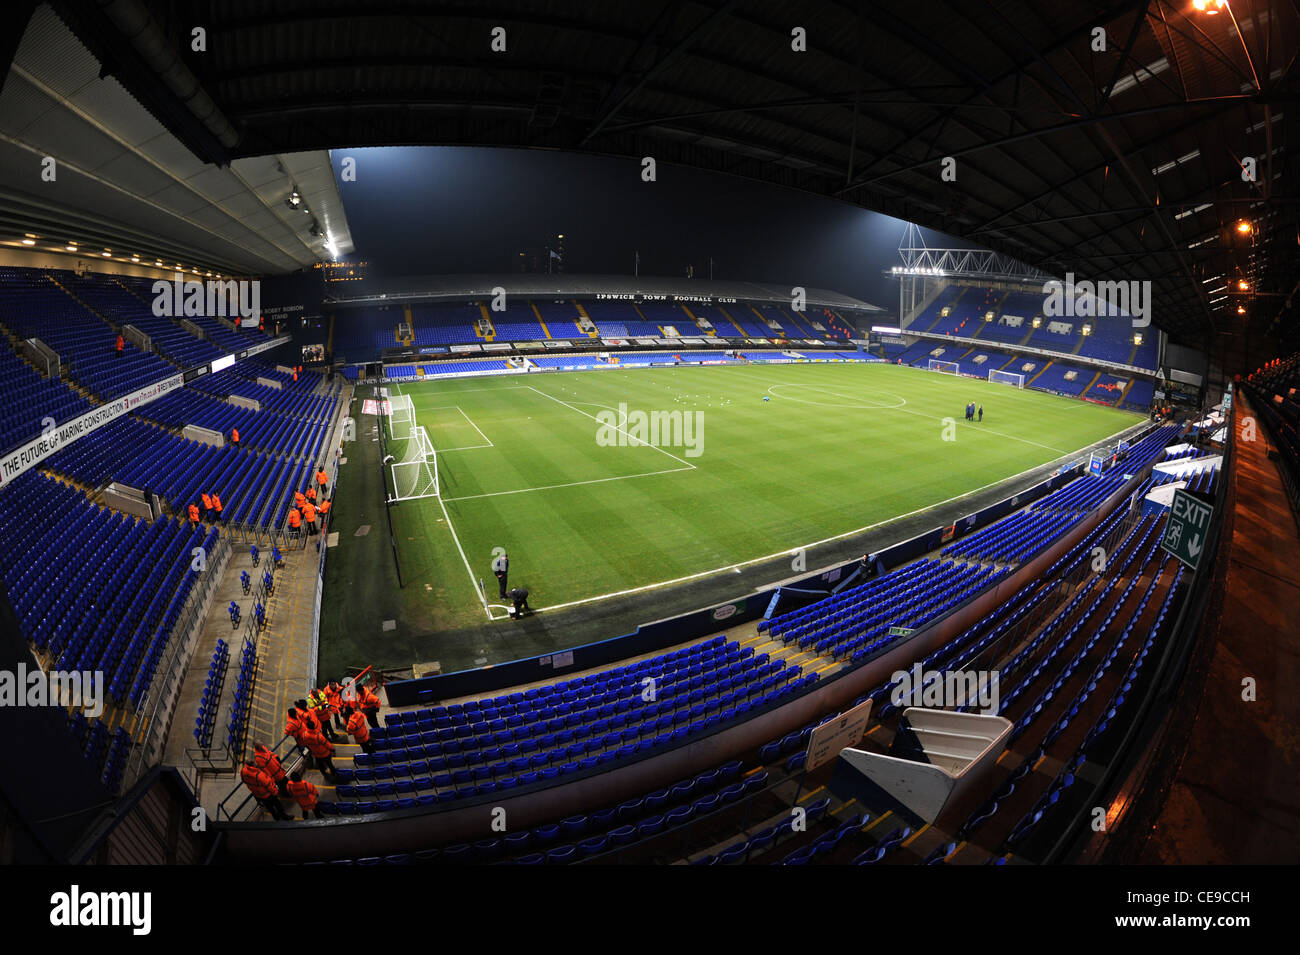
x=207 y=501
x=194 y=513
x=309 y=512
x=322 y=477
x=268 y=762
x=311 y=494
x=295 y=519
x=368 y=698
x=303 y=793
x=234 y=435
x=318 y=745
x=298 y=499
x=358 y=726
x=324 y=507
x=216 y=503
x=258 y=782
x=335 y=698
x=293 y=726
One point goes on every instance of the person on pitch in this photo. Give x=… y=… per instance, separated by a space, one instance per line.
x=501 y=567
x=519 y=597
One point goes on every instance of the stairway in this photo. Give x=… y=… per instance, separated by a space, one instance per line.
x=1090 y=384
x=491 y=333
x=536 y=311
x=1039 y=375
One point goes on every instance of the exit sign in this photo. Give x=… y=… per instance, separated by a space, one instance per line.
x=1187 y=528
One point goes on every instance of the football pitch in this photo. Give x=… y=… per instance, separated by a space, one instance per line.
x=604 y=483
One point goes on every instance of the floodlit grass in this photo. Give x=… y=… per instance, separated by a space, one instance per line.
x=839 y=447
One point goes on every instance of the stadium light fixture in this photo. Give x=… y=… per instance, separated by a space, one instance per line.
x=71 y=247
x=294 y=200
x=1244 y=227
x=1137 y=338
x=1241 y=309
x=1209 y=7
x=135 y=258
x=29 y=241
x=107 y=253
x=1243 y=286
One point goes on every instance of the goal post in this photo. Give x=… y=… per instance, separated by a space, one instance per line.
x=944 y=367
x=415 y=473
x=411 y=456
x=401 y=418
x=1015 y=379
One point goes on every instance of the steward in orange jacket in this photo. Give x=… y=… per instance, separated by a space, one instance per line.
x=207 y=503
x=234 y=436
x=360 y=730
x=322 y=478
x=294 y=727
x=311 y=495
x=299 y=500
x=263 y=789
x=295 y=519
x=304 y=794
x=194 y=513
x=334 y=695
x=269 y=763
x=369 y=702
x=321 y=750
x=309 y=516
x=216 y=505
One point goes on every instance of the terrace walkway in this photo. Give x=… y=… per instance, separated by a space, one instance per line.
x=1234 y=798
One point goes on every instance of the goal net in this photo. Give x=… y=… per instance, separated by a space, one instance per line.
x=946 y=367
x=1012 y=378
x=412 y=457
x=401 y=419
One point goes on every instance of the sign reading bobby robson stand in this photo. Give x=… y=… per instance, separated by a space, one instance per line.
x=1185 y=533
x=834 y=735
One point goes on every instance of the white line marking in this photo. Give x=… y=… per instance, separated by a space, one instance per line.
x=551 y=487
x=473 y=581
x=475 y=427
x=621 y=430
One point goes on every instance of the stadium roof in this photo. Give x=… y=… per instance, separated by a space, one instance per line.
x=1106 y=139
x=463 y=287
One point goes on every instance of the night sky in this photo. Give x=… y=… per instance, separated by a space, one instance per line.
x=449 y=210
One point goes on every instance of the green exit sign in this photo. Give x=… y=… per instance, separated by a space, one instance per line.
x=1187 y=528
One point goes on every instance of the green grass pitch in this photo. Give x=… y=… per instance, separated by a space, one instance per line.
x=523 y=464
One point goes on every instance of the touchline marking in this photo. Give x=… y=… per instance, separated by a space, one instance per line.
x=790 y=550
x=629 y=436
x=551 y=487
x=473 y=582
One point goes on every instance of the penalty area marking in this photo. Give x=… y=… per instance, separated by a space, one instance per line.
x=551 y=487
x=621 y=430
x=468 y=447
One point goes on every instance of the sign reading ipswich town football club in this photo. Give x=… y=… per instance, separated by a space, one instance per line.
x=1185 y=532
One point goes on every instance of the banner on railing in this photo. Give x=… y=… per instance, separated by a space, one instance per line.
x=38 y=449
